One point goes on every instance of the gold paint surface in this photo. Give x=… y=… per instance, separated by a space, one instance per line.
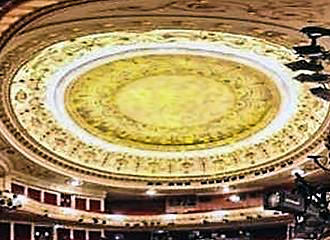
x=172 y=102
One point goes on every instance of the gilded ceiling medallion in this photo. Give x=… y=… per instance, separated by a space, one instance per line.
x=172 y=102
x=197 y=103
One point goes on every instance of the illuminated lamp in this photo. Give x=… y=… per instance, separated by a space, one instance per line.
x=234 y=198
x=151 y=192
x=74 y=182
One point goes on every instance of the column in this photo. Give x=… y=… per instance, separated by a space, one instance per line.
x=25 y=190
x=7 y=182
x=71 y=233
x=32 y=231
x=73 y=201
x=87 y=204
x=87 y=234
x=11 y=231
x=58 y=199
x=102 y=205
x=3 y=183
x=42 y=196
x=54 y=233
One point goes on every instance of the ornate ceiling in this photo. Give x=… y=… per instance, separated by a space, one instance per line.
x=154 y=91
x=170 y=103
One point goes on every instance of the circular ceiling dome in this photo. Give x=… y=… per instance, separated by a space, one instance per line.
x=165 y=103
x=172 y=102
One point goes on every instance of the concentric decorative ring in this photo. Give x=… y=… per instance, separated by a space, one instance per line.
x=55 y=88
